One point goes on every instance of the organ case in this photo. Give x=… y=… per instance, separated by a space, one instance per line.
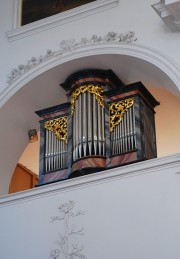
x=132 y=124
x=104 y=124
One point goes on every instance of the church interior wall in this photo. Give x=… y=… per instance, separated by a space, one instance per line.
x=137 y=16
x=130 y=212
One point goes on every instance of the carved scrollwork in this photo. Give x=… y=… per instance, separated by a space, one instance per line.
x=117 y=110
x=58 y=127
x=93 y=89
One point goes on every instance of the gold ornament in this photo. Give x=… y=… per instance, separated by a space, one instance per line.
x=93 y=89
x=58 y=127
x=117 y=111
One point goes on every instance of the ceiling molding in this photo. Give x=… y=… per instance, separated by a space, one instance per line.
x=169 y=13
x=153 y=56
x=80 y=12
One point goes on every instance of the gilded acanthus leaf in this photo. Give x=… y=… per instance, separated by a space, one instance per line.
x=58 y=127
x=93 y=89
x=117 y=110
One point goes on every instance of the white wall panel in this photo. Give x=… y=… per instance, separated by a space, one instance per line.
x=130 y=213
x=136 y=16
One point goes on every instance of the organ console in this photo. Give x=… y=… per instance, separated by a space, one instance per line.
x=103 y=124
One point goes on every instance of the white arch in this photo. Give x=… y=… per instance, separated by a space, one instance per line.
x=153 y=56
x=17 y=132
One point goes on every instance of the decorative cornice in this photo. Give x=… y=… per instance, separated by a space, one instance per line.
x=169 y=164
x=69 y=46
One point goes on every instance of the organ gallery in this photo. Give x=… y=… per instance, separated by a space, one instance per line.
x=104 y=124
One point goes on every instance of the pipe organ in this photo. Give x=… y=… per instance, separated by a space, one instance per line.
x=103 y=124
x=122 y=126
x=55 y=144
x=88 y=121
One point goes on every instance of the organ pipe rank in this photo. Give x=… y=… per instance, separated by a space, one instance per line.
x=103 y=124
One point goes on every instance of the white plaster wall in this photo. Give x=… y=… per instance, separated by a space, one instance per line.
x=136 y=16
x=130 y=213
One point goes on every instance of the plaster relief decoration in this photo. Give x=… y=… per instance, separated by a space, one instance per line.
x=67 y=46
x=67 y=246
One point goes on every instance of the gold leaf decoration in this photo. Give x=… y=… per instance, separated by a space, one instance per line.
x=58 y=127
x=117 y=110
x=93 y=89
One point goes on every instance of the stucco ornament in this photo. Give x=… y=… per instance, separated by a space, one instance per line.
x=67 y=46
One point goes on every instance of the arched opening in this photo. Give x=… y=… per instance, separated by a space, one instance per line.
x=17 y=114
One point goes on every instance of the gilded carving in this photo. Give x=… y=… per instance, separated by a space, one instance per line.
x=58 y=127
x=117 y=111
x=93 y=89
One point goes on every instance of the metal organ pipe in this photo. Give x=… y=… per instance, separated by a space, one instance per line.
x=55 y=146
x=128 y=133
x=47 y=151
x=84 y=124
x=123 y=134
x=125 y=131
x=54 y=153
x=118 y=142
x=88 y=126
x=103 y=130
x=131 y=127
x=94 y=125
x=80 y=128
x=61 y=150
x=89 y=123
x=50 y=148
x=76 y=131
x=99 y=129
x=74 y=136
x=134 y=128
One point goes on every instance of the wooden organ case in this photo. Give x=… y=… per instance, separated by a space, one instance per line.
x=103 y=124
